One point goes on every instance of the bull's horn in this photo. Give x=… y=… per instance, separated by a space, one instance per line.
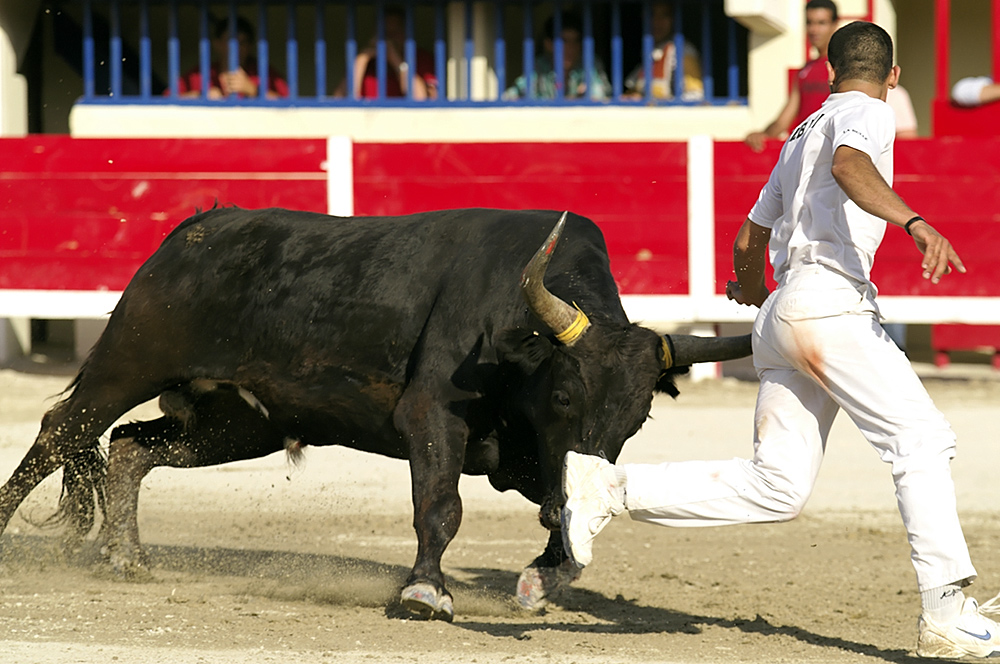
x=568 y=322
x=681 y=350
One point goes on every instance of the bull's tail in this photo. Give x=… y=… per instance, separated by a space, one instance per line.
x=84 y=488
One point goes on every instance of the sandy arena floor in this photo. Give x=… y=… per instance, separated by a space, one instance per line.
x=262 y=562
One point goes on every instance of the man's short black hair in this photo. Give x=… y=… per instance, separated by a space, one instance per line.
x=860 y=50
x=823 y=4
x=243 y=27
x=570 y=21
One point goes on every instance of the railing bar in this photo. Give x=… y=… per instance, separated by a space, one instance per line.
x=173 y=50
x=677 y=76
x=204 y=53
x=115 y=57
x=88 y=50
x=708 y=80
x=733 y=69
x=617 y=57
x=440 y=48
x=588 y=48
x=233 y=43
x=410 y=52
x=351 y=51
x=381 y=67
x=500 y=49
x=263 y=51
x=320 y=48
x=292 y=51
x=557 y=52
x=528 y=49
x=469 y=50
x=145 y=54
x=647 y=49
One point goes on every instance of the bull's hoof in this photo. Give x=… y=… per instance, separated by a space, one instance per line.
x=126 y=567
x=538 y=585
x=428 y=602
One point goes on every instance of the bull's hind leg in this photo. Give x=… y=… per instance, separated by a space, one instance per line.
x=69 y=435
x=203 y=428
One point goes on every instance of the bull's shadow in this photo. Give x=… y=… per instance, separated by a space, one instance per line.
x=282 y=575
x=480 y=594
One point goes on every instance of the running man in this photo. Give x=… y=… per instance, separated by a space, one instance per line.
x=819 y=347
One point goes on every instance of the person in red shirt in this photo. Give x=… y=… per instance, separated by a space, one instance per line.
x=244 y=81
x=425 y=85
x=811 y=86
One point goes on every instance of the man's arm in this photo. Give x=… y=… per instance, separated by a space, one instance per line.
x=857 y=176
x=781 y=123
x=749 y=262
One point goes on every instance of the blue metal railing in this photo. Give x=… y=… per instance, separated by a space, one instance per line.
x=133 y=51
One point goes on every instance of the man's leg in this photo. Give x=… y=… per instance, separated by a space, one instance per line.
x=873 y=381
x=792 y=421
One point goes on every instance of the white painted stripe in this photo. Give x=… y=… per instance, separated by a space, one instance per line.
x=701 y=216
x=340 y=176
x=183 y=175
x=657 y=311
x=57 y=304
x=654 y=311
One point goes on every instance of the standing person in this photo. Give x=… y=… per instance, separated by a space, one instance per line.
x=810 y=87
x=818 y=347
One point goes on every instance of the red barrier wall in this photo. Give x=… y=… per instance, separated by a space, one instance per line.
x=63 y=200
x=636 y=192
x=953 y=182
x=83 y=214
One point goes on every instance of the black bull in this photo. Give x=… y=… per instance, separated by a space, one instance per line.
x=422 y=337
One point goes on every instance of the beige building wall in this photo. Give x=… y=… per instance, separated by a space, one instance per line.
x=776 y=44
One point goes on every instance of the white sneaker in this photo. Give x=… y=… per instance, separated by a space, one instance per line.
x=590 y=502
x=972 y=634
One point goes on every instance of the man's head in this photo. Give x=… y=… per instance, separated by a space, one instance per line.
x=861 y=53
x=244 y=36
x=663 y=21
x=572 y=37
x=821 y=21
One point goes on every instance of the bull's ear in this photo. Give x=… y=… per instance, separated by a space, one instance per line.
x=665 y=383
x=525 y=348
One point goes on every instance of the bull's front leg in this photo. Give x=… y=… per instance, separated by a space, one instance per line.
x=547 y=575
x=436 y=445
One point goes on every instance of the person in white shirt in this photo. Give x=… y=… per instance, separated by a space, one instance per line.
x=818 y=348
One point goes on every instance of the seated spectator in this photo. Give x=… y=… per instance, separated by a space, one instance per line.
x=665 y=62
x=244 y=81
x=975 y=91
x=574 y=85
x=425 y=84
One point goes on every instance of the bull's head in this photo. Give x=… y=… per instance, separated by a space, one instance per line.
x=591 y=387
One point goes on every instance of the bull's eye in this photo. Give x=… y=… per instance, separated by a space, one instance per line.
x=560 y=400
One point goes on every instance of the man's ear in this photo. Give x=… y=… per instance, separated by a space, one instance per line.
x=894 y=77
x=831 y=75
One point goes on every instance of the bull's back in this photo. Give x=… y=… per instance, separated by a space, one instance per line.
x=324 y=313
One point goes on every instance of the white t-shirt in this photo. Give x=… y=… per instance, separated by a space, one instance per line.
x=815 y=227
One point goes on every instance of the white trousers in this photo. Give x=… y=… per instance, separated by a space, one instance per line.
x=817 y=350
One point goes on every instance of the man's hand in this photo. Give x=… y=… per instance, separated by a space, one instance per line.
x=238 y=82
x=756 y=141
x=938 y=253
